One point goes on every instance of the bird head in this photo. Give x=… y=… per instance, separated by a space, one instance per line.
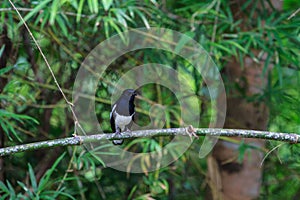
x=130 y=93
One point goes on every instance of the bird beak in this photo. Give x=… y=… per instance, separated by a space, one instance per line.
x=136 y=93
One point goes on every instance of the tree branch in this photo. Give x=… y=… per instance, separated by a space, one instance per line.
x=79 y=140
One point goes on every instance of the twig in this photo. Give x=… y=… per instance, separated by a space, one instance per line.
x=78 y=140
x=261 y=163
x=293 y=14
x=201 y=12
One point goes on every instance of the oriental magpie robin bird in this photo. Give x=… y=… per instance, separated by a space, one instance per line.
x=122 y=114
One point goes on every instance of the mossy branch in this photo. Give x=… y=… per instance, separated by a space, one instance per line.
x=79 y=140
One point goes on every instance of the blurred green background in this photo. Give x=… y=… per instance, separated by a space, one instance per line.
x=32 y=108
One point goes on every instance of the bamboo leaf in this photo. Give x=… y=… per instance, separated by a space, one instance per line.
x=79 y=11
x=53 y=11
x=222 y=48
x=45 y=179
x=62 y=25
x=237 y=45
x=32 y=178
x=1 y=51
x=5 y=70
x=25 y=188
x=142 y=16
x=35 y=10
x=107 y=4
x=95 y=6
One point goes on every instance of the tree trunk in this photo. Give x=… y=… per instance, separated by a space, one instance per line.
x=231 y=178
x=240 y=179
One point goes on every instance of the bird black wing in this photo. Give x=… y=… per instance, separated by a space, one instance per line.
x=112 y=119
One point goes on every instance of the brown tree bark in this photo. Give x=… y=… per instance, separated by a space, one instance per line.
x=229 y=178
x=240 y=180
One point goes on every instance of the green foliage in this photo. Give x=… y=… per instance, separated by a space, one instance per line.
x=35 y=190
x=6 y=122
x=31 y=109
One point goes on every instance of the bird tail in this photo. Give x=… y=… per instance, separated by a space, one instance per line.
x=118 y=142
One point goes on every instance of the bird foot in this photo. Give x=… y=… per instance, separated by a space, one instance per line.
x=118 y=142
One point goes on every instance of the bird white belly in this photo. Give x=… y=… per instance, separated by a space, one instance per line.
x=121 y=121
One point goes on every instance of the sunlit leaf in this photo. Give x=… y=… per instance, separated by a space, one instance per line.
x=35 y=10
x=107 y=4
x=79 y=10
x=54 y=8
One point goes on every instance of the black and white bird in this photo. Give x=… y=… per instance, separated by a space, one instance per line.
x=122 y=114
